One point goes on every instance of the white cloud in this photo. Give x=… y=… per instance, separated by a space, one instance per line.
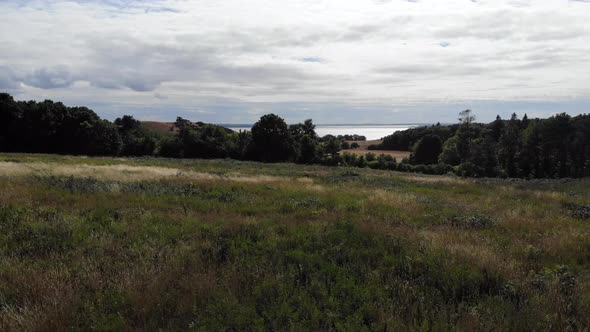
x=160 y=57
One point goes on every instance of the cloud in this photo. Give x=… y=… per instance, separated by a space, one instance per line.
x=7 y=79
x=228 y=57
x=50 y=78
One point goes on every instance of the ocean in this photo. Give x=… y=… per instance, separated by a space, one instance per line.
x=371 y=132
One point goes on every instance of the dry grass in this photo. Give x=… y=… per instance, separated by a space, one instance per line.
x=162 y=128
x=395 y=199
x=364 y=145
x=474 y=249
x=434 y=179
x=128 y=173
x=398 y=155
x=363 y=149
x=220 y=245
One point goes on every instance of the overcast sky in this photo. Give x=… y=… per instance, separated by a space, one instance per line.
x=336 y=61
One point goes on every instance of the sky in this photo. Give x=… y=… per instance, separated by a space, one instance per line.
x=335 y=61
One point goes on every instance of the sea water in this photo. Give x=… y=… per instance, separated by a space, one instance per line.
x=371 y=132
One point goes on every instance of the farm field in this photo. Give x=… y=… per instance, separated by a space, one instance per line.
x=398 y=155
x=152 y=243
x=363 y=150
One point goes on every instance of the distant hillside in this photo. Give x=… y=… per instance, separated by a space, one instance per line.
x=162 y=128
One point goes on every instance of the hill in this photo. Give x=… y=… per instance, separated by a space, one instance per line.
x=161 y=128
x=148 y=244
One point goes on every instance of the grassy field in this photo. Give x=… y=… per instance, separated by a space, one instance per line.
x=126 y=244
x=363 y=149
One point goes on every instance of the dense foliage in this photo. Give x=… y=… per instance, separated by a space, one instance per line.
x=405 y=140
x=49 y=127
x=54 y=128
x=556 y=147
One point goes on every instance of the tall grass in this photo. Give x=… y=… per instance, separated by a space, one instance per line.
x=290 y=248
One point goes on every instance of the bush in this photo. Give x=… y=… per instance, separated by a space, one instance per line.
x=579 y=211
x=468 y=169
x=374 y=164
x=349 y=159
x=361 y=162
x=419 y=168
x=170 y=148
x=391 y=165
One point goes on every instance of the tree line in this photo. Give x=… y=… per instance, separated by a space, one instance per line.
x=52 y=127
x=527 y=148
x=556 y=147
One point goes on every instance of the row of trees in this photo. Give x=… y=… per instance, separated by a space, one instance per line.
x=556 y=147
x=50 y=127
x=54 y=128
x=269 y=140
x=539 y=148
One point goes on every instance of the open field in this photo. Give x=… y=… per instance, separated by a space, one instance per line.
x=364 y=145
x=398 y=155
x=363 y=149
x=125 y=244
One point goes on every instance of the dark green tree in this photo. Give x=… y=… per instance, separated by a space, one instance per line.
x=525 y=121
x=136 y=140
x=271 y=138
x=450 y=153
x=428 y=150
x=496 y=129
x=509 y=147
x=308 y=152
x=465 y=134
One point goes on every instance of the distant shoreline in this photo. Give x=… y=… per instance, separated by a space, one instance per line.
x=240 y=125
x=369 y=131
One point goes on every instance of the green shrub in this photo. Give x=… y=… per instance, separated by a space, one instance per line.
x=579 y=211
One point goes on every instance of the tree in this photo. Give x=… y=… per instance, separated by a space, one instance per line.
x=557 y=133
x=102 y=139
x=466 y=117
x=271 y=138
x=509 y=147
x=308 y=150
x=496 y=129
x=450 y=153
x=464 y=134
x=304 y=141
x=10 y=118
x=127 y=124
x=136 y=140
x=209 y=141
x=331 y=147
x=525 y=121
x=239 y=144
x=427 y=150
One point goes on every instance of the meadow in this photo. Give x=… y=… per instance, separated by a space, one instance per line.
x=152 y=243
